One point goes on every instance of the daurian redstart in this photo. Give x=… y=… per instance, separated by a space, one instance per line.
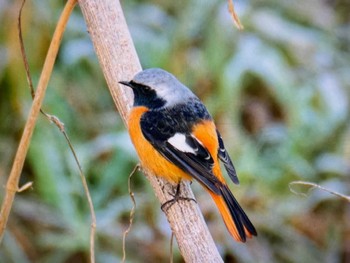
x=176 y=138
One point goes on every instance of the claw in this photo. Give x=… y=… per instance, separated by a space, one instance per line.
x=176 y=197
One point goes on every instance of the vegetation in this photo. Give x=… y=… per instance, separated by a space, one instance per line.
x=279 y=92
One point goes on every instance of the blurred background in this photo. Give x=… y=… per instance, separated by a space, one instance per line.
x=279 y=93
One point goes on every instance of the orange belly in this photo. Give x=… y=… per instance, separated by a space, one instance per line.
x=150 y=158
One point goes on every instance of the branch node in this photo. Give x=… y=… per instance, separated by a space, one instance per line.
x=56 y=121
x=11 y=189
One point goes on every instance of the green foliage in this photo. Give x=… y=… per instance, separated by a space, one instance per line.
x=279 y=92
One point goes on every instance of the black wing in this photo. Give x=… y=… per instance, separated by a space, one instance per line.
x=225 y=158
x=189 y=155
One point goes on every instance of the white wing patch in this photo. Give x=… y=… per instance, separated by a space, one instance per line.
x=179 y=142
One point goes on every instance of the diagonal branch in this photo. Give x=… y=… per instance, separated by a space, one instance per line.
x=119 y=61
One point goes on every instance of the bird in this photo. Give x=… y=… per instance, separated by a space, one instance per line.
x=175 y=138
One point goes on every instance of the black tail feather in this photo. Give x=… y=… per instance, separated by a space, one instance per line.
x=240 y=218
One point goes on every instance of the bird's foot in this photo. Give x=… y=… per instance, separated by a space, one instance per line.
x=176 y=197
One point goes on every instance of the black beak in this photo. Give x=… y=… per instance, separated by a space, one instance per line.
x=126 y=83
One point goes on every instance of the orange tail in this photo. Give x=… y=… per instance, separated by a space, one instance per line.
x=237 y=222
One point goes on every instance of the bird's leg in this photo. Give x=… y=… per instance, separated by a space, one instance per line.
x=176 y=197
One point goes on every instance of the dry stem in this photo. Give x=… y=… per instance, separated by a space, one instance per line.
x=236 y=21
x=132 y=211
x=313 y=186
x=53 y=119
x=12 y=182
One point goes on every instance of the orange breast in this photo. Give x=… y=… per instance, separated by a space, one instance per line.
x=150 y=158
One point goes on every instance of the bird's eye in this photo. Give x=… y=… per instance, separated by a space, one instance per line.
x=146 y=88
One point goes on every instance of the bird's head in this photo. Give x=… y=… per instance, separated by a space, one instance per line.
x=155 y=88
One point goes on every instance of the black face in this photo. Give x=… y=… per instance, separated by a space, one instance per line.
x=145 y=96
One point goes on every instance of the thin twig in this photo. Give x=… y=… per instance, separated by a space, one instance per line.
x=88 y=196
x=132 y=211
x=171 y=247
x=236 y=21
x=13 y=180
x=53 y=119
x=23 y=51
x=313 y=186
x=25 y=61
x=25 y=187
